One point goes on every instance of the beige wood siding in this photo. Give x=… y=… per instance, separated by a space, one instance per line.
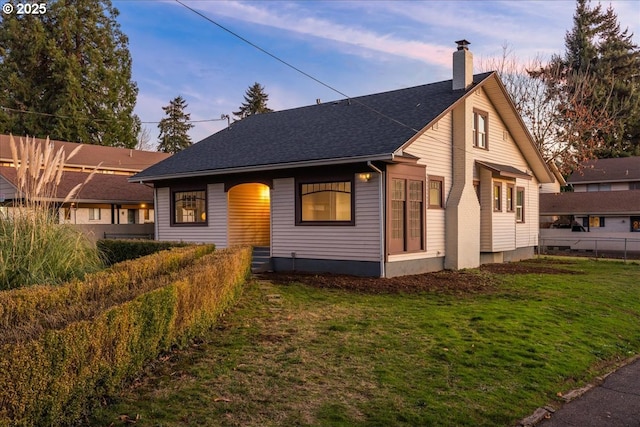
x=504 y=233
x=502 y=149
x=217 y=211
x=358 y=243
x=527 y=232
x=215 y=232
x=249 y=222
x=433 y=148
x=486 y=210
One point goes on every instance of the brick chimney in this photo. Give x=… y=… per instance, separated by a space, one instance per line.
x=462 y=66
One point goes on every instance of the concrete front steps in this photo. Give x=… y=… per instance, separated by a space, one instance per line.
x=261 y=259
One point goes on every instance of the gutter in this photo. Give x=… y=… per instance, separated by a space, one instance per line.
x=262 y=168
x=381 y=219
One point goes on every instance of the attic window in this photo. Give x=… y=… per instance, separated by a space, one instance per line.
x=480 y=129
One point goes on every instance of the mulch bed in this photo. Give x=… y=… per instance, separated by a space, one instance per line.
x=448 y=282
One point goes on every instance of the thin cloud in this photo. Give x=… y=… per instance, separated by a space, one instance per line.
x=294 y=22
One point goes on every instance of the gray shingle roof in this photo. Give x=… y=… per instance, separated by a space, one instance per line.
x=102 y=188
x=591 y=203
x=333 y=130
x=109 y=158
x=623 y=169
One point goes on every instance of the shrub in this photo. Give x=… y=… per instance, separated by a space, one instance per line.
x=26 y=312
x=34 y=248
x=118 y=250
x=54 y=379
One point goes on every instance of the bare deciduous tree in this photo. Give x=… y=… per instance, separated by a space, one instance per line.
x=566 y=125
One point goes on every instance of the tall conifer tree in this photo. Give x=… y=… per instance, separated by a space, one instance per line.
x=69 y=75
x=600 y=69
x=174 y=127
x=255 y=102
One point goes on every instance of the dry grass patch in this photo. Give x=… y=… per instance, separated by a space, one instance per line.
x=306 y=355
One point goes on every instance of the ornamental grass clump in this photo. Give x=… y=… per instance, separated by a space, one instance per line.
x=34 y=247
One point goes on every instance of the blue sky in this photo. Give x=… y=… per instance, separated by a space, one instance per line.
x=356 y=47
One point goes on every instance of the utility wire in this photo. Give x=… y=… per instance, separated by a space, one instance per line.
x=60 y=116
x=293 y=67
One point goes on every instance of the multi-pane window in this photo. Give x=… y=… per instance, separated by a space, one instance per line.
x=189 y=207
x=480 y=120
x=415 y=210
x=436 y=192
x=94 y=214
x=398 y=198
x=497 y=197
x=510 y=198
x=520 y=204
x=407 y=215
x=326 y=202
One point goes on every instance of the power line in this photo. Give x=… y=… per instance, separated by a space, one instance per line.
x=293 y=67
x=60 y=116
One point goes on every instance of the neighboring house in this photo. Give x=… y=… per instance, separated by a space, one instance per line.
x=439 y=176
x=605 y=202
x=107 y=199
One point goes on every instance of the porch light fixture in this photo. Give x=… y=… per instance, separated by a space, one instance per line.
x=364 y=177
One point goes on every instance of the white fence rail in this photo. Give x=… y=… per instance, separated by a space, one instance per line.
x=600 y=244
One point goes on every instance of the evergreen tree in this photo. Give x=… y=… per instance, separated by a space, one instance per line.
x=68 y=75
x=174 y=128
x=598 y=74
x=255 y=102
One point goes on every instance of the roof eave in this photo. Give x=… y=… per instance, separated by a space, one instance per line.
x=263 y=168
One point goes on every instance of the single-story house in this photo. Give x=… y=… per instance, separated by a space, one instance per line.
x=107 y=202
x=439 y=176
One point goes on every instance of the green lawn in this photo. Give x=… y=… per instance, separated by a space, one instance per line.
x=298 y=355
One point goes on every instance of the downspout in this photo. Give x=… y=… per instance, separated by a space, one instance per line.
x=381 y=219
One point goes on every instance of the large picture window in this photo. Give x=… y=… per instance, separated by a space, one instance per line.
x=189 y=207
x=326 y=202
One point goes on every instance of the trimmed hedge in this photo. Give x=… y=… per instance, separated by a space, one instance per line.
x=54 y=379
x=118 y=250
x=26 y=312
